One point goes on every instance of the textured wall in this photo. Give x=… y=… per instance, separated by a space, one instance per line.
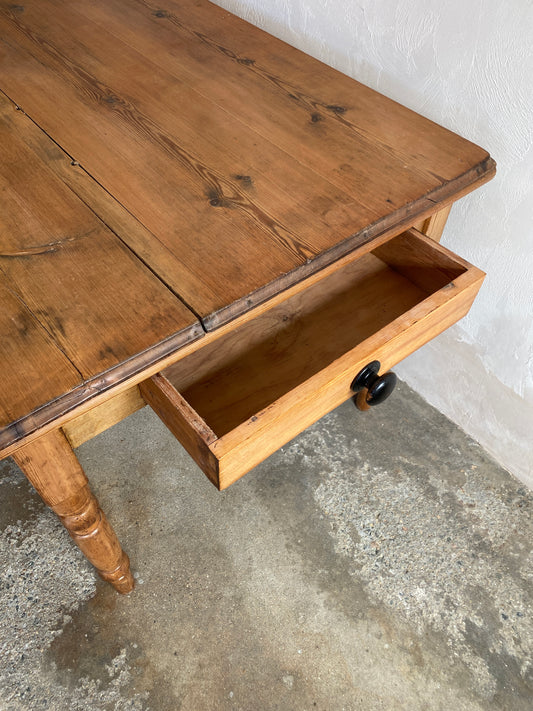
x=468 y=66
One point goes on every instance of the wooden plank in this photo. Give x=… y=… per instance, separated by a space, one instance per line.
x=224 y=144
x=277 y=89
x=100 y=418
x=182 y=421
x=196 y=174
x=142 y=242
x=101 y=305
x=110 y=58
x=33 y=368
x=100 y=98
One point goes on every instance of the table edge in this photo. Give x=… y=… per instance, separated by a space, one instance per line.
x=394 y=223
x=42 y=416
x=25 y=427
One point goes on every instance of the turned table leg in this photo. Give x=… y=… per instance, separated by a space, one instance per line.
x=53 y=469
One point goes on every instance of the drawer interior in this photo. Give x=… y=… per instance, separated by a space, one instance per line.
x=237 y=376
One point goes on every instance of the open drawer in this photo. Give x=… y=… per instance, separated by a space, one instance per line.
x=237 y=399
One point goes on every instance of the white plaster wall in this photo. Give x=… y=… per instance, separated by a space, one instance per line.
x=469 y=66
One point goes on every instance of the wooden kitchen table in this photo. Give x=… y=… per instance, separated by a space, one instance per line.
x=197 y=216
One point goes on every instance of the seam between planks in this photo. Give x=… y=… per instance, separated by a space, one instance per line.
x=98 y=217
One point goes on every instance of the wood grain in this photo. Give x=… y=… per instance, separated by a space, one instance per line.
x=102 y=417
x=240 y=375
x=125 y=225
x=99 y=390
x=177 y=166
x=33 y=368
x=78 y=307
x=101 y=305
x=191 y=430
x=296 y=164
x=266 y=382
x=278 y=90
x=434 y=225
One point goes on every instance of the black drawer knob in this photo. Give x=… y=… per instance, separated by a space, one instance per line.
x=371 y=388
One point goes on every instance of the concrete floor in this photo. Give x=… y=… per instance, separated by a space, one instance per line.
x=379 y=561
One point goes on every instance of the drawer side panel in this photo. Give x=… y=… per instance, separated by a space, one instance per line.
x=183 y=422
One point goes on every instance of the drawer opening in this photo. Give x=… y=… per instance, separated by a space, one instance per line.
x=237 y=376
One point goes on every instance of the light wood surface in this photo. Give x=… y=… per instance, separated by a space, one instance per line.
x=96 y=299
x=433 y=226
x=181 y=419
x=88 y=396
x=100 y=418
x=76 y=302
x=250 y=443
x=264 y=383
x=285 y=168
x=243 y=373
x=182 y=192
x=51 y=466
x=33 y=368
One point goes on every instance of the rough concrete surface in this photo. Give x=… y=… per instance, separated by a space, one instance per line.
x=379 y=561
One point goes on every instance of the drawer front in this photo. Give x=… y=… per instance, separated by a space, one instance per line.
x=235 y=402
